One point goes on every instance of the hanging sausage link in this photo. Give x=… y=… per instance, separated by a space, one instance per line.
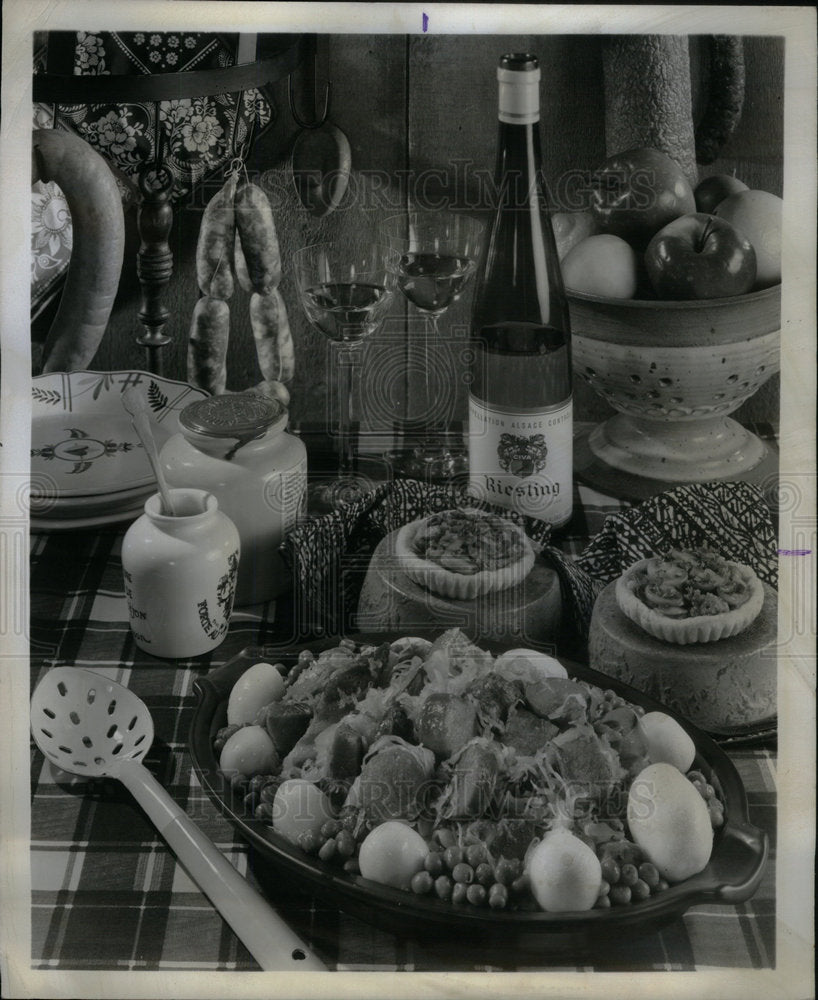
x=238 y=240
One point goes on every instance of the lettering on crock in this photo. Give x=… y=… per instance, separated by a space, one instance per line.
x=215 y=628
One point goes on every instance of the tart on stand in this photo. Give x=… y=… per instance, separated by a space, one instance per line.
x=695 y=631
x=462 y=568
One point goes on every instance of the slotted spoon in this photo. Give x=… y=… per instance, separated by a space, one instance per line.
x=89 y=725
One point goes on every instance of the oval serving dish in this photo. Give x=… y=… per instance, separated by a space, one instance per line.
x=732 y=875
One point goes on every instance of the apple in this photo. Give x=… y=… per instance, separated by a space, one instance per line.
x=570 y=228
x=601 y=265
x=635 y=193
x=709 y=192
x=758 y=216
x=700 y=256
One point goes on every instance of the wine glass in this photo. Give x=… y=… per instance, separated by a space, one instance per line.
x=346 y=292
x=433 y=255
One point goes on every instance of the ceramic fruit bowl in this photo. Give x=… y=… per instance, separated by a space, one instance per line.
x=674 y=371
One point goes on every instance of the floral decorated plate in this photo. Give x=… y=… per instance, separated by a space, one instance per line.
x=117 y=517
x=83 y=443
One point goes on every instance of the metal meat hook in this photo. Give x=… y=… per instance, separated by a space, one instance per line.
x=296 y=117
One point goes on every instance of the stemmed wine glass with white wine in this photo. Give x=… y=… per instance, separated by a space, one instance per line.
x=346 y=291
x=433 y=255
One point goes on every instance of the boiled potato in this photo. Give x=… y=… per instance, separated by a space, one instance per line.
x=669 y=820
x=564 y=872
x=299 y=807
x=392 y=853
x=248 y=751
x=256 y=687
x=528 y=665
x=667 y=742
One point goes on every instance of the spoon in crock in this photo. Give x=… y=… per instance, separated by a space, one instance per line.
x=136 y=405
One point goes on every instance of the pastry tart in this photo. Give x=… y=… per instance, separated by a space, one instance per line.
x=690 y=596
x=464 y=553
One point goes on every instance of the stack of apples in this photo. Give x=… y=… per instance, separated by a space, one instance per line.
x=648 y=234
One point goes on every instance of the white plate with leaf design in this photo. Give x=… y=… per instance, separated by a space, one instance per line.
x=83 y=443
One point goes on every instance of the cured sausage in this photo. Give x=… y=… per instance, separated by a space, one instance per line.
x=259 y=240
x=725 y=96
x=240 y=266
x=98 y=245
x=214 y=250
x=271 y=331
x=207 y=347
x=271 y=389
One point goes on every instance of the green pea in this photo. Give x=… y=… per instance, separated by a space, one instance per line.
x=649 y=874
x=453 y=856
x=463 y=873
x=498 y=896
x=640 y=890
x=443 y=887
x=434 y=863
x=421 y=883
x=620 y=895
x=476 y=894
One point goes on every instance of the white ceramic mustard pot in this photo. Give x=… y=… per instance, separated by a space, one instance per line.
x=180 y=575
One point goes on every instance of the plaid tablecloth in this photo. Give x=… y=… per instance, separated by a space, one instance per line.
x=97 y=862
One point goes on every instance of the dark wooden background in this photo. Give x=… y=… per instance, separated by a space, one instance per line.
x=424 y=106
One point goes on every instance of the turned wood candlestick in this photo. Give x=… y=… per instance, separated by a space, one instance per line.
x=154 y=261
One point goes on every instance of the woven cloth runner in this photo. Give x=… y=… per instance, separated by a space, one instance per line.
x=729 y=518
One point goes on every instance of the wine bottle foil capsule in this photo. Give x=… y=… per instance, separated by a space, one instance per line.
x=518 y=77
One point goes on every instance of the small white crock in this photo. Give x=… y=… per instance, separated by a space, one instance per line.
x=180 y=575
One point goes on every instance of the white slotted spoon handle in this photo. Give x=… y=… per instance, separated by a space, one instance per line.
x=273 y=944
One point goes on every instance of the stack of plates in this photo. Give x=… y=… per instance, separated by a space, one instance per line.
x=88 y=466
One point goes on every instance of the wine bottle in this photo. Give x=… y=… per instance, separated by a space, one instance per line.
x=520 y=407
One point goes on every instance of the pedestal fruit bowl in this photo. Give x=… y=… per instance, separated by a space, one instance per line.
x=674 y=371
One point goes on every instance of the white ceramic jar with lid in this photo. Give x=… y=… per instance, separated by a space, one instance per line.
x=237 y=447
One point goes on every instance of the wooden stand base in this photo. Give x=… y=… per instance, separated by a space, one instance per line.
x=726 y=687
x=528 y=613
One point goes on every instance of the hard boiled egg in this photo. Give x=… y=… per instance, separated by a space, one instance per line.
x=299 y=806
x=392 y=853
x=256 y=687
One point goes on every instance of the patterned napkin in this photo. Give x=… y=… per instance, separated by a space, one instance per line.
x=329 y=556
x=732 y=519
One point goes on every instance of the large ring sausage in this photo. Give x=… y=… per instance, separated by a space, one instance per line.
x=98 y=246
